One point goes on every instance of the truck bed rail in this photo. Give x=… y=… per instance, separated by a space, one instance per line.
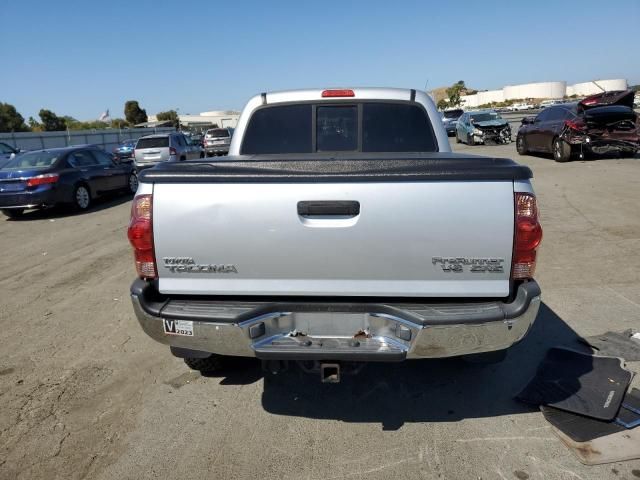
x=359 y=167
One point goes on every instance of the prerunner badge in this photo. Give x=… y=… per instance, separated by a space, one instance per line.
x=178 y=327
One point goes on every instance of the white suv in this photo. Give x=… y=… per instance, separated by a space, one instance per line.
x=217 y=141
x=168 y=147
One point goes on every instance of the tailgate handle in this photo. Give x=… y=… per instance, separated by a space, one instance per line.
x=324 y=208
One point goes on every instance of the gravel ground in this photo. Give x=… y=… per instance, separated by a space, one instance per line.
x=85 y=394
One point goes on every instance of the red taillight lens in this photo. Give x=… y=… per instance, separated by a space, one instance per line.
x=577 y=125
x=42 y=179
x=338 y=93
x=140 y=235
x=172 y=151
x=528 y=235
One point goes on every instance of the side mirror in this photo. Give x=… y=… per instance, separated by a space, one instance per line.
x=528 y=120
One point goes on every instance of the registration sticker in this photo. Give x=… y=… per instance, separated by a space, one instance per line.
x=178 y=327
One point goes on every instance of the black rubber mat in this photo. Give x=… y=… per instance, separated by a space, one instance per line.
x=582 y=429
x=616 y=344
x=578 y=427
x=629 y=414
x=580 y=383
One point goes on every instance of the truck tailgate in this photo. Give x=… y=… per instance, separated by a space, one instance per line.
x=407 y=238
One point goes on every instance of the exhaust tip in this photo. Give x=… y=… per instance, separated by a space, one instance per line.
x=330 y=373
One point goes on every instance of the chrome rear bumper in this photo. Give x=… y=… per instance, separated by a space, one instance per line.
x=314 y=330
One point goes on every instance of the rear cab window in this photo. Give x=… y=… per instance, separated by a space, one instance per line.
x=153 y=142
x=217 y=133
x=339 y=127
x=279 y=129
x=392 y=127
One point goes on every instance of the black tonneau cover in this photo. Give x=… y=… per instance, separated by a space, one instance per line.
x=357 y=167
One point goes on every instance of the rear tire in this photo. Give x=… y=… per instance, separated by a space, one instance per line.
x=486 y=358
x=81 y=198
x=133 y=183
x=561 y=150
x=521 y=145
x=14 y=213
x=210 y=364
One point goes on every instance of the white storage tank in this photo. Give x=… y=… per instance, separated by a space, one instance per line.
x=490 y=96
x=535 y=90
x=596 y=86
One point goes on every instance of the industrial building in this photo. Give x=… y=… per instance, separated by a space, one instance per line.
x=542 y=90
x=220 y=118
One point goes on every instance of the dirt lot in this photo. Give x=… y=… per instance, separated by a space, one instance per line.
x=85 y=394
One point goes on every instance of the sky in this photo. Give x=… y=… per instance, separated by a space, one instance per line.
x=80 y=58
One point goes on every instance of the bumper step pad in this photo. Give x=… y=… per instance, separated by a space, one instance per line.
x=347 y=349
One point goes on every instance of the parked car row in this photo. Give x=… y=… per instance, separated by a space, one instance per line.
x=71 y=175
x=600 y=124
x=79 y=174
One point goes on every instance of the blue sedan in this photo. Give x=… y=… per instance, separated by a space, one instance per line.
x=71 y=175
x=124 y=151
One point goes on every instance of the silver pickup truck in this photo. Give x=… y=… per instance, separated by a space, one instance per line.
x=340 y=228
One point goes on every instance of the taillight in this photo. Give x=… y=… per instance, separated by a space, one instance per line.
x=140 y=235
x=42 y=179
x=338 y=93
x=133 y=153
x=577 y=125
x=527 y=237
x=172 y=151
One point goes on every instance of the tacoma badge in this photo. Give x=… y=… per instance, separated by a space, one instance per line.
x=188 y=265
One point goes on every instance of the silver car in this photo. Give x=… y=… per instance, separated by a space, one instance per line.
x=168 y=147
x=217 y=141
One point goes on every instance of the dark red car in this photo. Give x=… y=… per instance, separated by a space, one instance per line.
x=600 y=124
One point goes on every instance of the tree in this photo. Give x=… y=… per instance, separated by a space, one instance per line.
x=454 y=92
x=442 y=104
x=34 y=125
x=119 y=123
x=10 y=119
x=171 y=115
x=133 y=113
x=51 y=122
